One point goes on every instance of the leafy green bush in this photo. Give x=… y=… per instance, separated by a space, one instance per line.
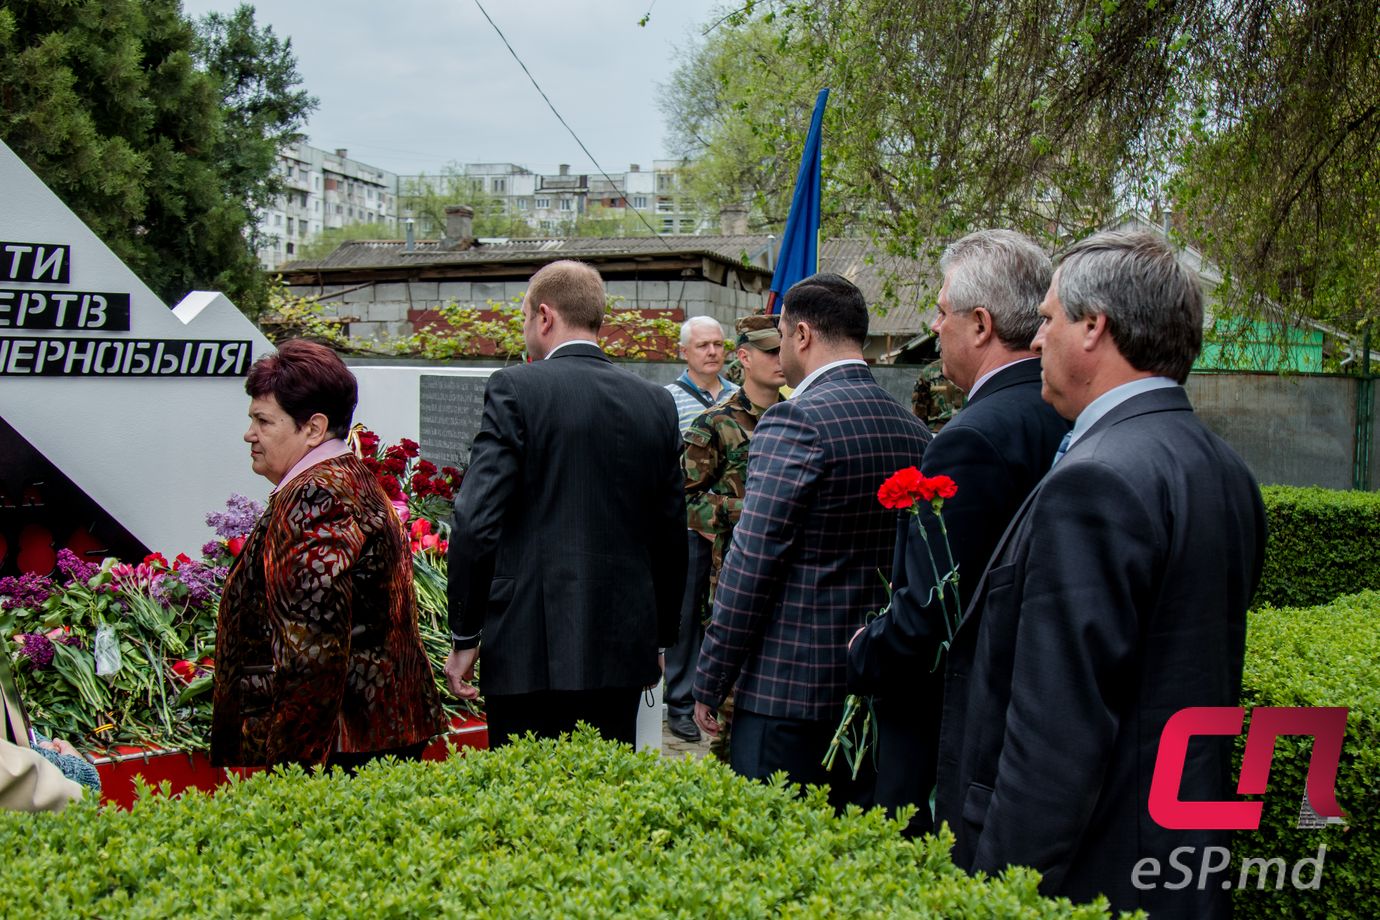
x=580 y=829
x=1320 y=656
x=1320 y=545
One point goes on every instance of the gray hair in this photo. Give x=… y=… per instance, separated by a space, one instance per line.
x=694 y=321
x=1153 y=304
x=1003 y=271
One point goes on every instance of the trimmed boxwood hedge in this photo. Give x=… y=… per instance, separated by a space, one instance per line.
x=583 y=829
x=1320 y=656
x=1320 y=544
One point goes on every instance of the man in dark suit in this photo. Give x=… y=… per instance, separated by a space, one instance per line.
x=996 y=449
x=803 y=568
x=568 y=551
x=1116 y=598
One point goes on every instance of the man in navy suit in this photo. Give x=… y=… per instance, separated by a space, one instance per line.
x=995 y=450
x=568 y=554
x=803 y=568
x=1116 y=598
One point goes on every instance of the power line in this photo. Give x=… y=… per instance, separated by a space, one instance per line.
x=565 y=125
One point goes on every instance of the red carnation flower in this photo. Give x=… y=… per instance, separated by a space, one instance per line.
x=409 y=446
x=944 y=487
x=901 y=488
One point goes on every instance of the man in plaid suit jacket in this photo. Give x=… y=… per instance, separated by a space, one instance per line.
x=812 y=547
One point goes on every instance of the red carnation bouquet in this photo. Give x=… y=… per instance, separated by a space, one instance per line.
x=905 y=490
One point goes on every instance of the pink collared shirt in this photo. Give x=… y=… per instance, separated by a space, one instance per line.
x=327 y=450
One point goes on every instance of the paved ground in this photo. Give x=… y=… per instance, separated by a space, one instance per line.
x=674 y=748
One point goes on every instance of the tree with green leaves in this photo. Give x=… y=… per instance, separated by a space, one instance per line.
x=161 y=140
x=424 y=198
x=1254 y=122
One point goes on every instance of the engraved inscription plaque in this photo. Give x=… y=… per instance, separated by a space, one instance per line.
x=451 y=410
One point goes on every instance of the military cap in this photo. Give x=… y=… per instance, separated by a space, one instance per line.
x=759 y=332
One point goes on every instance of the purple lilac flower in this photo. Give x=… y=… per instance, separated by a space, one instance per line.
x=237 y=519
x=159 y=590
x=74 y=567
x=38 y=648
x=71 y=640
x=200 y=580
x=212 y=549
x=27 y=591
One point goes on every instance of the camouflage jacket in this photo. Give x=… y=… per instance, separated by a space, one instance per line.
x=715 y=463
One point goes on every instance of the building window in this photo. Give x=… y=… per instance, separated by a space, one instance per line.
x=277 y=220
x=663 y=183
x=337 y=210
x=567 y=204
x=316 y=183
x=289 y=249
x=500 y=186
x=289 y=227
x=668 y=225
x=522 y=204
x=640 y=202
x=543 y=203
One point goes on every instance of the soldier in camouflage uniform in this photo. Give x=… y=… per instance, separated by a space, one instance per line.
x=935 y=398
x=716 y=455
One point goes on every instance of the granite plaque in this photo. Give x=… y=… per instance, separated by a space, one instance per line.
x=451 y=411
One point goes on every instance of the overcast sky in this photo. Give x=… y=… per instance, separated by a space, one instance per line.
x=411 y=85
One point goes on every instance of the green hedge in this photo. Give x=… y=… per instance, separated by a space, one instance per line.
x=1320 y=656
x=588 y=829
x=1321 y=544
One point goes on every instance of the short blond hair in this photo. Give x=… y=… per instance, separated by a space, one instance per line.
x=573 y=289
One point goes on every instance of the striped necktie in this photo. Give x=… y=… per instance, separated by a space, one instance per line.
x=1063 y=449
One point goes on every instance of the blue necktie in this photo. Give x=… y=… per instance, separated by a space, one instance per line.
x=1063 y=449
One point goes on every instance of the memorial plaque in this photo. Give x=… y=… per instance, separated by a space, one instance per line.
x=451 y=410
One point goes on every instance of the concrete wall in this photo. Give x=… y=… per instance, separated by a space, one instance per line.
x=1290 y=430
x=381 y=309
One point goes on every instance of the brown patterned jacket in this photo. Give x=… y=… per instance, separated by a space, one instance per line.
x=317 y=648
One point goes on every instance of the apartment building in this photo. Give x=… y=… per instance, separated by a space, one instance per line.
x=324 y=189
x=549 y=203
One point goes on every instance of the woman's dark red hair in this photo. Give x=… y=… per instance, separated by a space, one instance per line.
x=307 y=378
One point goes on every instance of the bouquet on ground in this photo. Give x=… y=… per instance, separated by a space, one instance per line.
x=912 y=491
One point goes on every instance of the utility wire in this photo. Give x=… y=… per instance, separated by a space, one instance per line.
x=565 y=125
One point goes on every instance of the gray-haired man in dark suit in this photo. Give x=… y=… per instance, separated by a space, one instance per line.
x=1116 y=598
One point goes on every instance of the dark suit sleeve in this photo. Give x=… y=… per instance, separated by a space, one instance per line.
x=785 y=465
x=1094 y=550
x=493 y=477
x=894 y=648
x=668 y=556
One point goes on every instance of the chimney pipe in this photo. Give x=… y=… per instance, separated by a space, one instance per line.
x=565 y=169
x=411 y=237
x=342 y=152
x=733 y=220
x=459 y=226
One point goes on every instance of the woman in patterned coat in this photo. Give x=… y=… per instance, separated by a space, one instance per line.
x=318 y=657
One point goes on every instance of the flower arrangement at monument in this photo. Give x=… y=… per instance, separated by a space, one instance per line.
x=122 y=653
x=905 y=490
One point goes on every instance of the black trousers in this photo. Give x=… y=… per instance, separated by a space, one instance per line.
x=684 y=657
x=350 y=762
x=764 y=744
x=612 y=712
x=908 y=756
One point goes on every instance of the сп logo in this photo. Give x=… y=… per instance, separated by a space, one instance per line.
x=1327 y=725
